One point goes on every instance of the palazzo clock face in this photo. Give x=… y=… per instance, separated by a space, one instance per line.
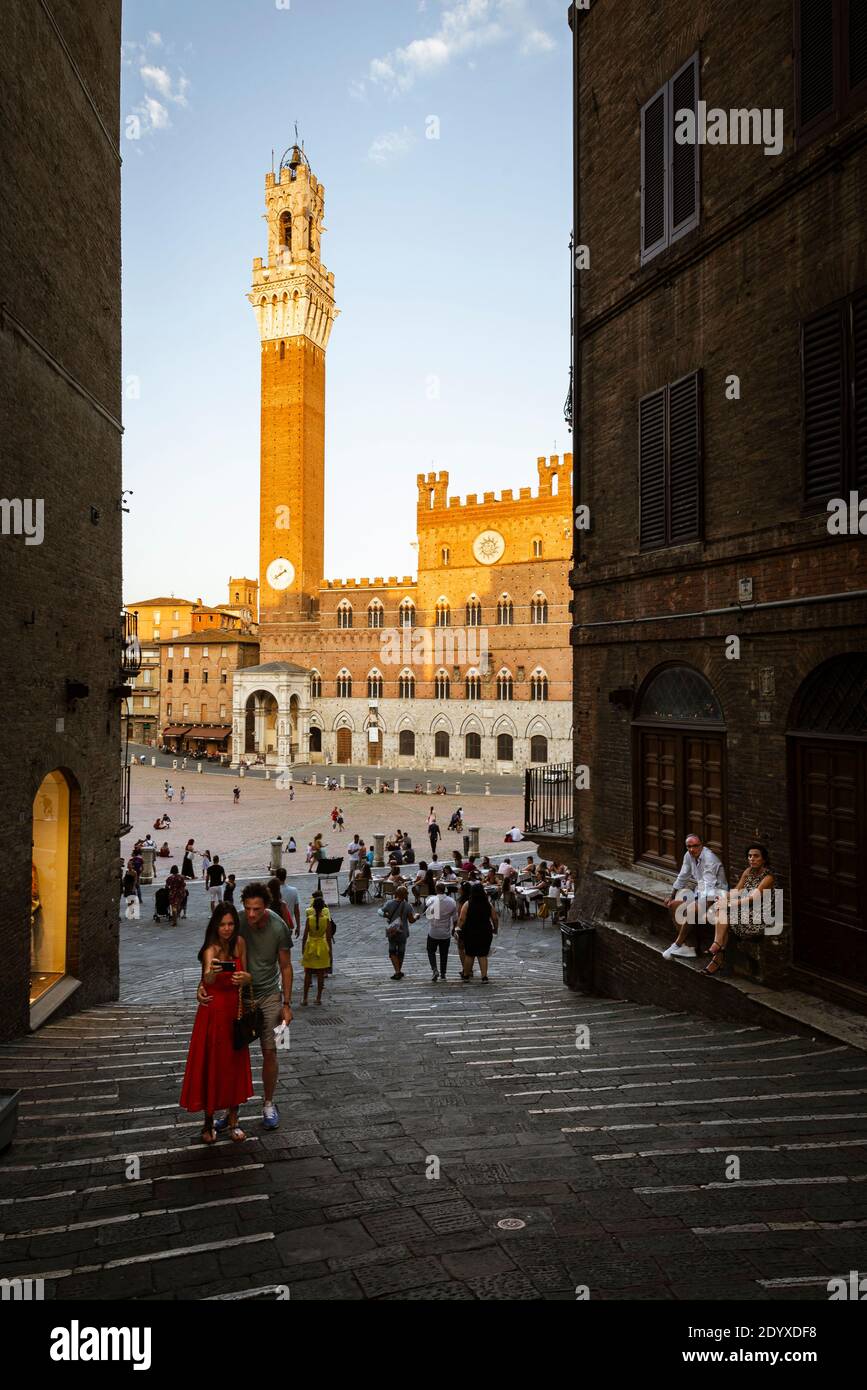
x=280 y=574
x=488 y=547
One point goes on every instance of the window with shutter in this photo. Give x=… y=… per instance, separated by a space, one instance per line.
x=859 y=392
x=856 y=40
x=670 y=198
x=830 y=63
x=823 y=354
x=670 y=464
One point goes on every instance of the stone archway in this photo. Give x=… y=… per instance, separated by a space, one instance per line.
x=260 y=735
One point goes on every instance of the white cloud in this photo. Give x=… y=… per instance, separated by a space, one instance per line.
x=155 y=39
x=464 y=27
x=162 y=80
x=162 y=87
x=391 y=145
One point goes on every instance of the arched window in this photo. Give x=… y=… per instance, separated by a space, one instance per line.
x=505 y=748
x=442 y=685
x=315 y=739
x=538 y=685
x=473 y=746
x=443 y=613
x=406 y=743
x=474 y=685
x=539 y=608
x=441 y=744
x=315 y=685
x=286 y=230
x=344 y=613
x=344 y=685
x=538 y=749
x=375 y=614
x=445 y=555
x=679 y=751
x=505 y=685
x=374 y=685
x=406 y=685
x=505 y=611
x=537 y=548
x=474 y=612
x=407 y=613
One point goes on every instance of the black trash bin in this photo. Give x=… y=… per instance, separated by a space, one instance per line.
x=579 y=943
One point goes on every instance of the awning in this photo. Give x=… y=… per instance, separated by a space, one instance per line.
x=214 y=733
x=176 y=730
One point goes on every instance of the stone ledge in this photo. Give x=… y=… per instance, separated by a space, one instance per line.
x=744 y=997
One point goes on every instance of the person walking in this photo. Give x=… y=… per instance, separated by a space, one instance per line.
x=269 y=961
x=477 y=924
x=316 y=946
x=399 y=916
x=441 y=913
x=177 y=890
x=206 y=864
x=236 y=795
x=214 y=881
x=170 y=792
x=434 y=835
x=229 y=889
x=217 y=1075
x=183 y=795
x=291 y=901
x=187 y=867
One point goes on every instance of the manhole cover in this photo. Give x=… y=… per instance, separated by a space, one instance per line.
x=511 y=1223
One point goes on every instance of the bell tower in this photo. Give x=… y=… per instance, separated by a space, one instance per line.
x=293 y=299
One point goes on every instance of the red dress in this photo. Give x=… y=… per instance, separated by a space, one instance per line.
x=217 y=1077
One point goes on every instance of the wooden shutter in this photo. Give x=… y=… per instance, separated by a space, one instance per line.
x=684 y=158
x=858 y=436
x=654 y=175
x=817 y=67
x=823 y=366
x=855 y=37
x=651 y=470
x=684 y=458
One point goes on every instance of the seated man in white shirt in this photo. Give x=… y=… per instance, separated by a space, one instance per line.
x=700 y=882
x=515 y=834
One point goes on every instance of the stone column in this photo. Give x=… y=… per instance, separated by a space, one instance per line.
x=147 y=870
x=378 y=851
x=474 y=839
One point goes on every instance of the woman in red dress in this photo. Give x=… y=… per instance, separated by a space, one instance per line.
x=218 y=1077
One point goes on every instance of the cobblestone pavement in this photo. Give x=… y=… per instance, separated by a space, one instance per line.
x=558 y=1166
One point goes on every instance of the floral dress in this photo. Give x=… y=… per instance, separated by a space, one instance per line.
x=754 y=926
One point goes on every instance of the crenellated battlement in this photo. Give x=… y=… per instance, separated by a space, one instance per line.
x=407 y=582
x=555 y=479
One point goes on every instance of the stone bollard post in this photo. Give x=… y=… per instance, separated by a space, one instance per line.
x=153 y=762
x=199 y=767
x=378 y=851
x=377 y=785
x=427 y=787
x=474 y=839
x=267 y=774
x=343 y=781
x=396 y=787
x=360 y=784
x=147 y=874
x=457 y=788
x=487 y=789
x=174 y=764
x=276 y=855
x=242 y=771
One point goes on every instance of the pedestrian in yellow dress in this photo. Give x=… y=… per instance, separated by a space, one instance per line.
x=316 y=946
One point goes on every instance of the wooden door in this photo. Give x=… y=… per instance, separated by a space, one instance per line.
x=344 y=745
x=658 y=806
x=828 y=778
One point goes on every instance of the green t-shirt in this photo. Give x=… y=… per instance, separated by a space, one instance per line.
x=263 y=944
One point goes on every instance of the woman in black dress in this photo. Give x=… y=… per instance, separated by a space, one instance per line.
x=187 y=867
x=477 y=925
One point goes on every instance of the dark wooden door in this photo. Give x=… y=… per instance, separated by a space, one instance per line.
x=681 y=792
x=344 y=745
x=658 y=770
x=828 y=785
x=374 y=751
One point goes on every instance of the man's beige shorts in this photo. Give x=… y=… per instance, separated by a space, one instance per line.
x=271 y=1006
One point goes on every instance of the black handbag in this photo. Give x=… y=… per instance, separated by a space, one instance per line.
x=249 y=1025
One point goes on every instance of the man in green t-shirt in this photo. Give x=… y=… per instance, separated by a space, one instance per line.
x=269 y=963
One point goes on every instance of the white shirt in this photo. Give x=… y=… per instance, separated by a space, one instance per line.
x=704 y=874
x=515 y=834
x=354 y=850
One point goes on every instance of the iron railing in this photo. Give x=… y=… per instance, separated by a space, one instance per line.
x=548 y=793
x=130 y=659
x=125 y=823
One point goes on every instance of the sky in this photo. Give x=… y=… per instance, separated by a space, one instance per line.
x=450 y=257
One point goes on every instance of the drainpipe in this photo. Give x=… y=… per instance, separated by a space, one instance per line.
x=575 y=16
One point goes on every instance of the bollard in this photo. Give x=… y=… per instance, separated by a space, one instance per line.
x=427 y=787
x=175 y=764
x=474 y=839
x=313 y=780
x=147 y=874
x=153 y=762
x=267 y=774
x=242 y=771
x=376 y=786
x=487 y=789
x=360 y=785
x=457 y=788
x=343 y=781
x=276 y=855
x=199 y=767
x=378 y=851
x=396 y=786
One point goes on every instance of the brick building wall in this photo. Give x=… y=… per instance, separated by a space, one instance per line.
x=60 y=424
x=778 y=238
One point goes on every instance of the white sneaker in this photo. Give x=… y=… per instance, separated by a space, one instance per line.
x=683 y=951
x=668 y=951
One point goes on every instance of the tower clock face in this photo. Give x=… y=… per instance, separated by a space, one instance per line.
x=488 y=547
x=280 y=574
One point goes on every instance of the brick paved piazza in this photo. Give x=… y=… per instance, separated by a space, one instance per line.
x=612 y=1158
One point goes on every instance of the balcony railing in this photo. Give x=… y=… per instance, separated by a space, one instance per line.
x=548 y=793
x=130 y=659
x=125 y=823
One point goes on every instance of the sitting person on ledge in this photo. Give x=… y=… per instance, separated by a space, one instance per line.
x=700 y=882
x=740 y=909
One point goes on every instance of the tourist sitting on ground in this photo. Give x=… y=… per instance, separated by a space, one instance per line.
x=164 y=852
x=700 y=882
x=417 y=789
x=740 y=909
x=291 y=845
x=514 y=835
x=424 y=884
x=368 y=791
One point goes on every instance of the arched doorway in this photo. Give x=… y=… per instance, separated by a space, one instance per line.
x=260 y=728
x=315 y=739
x=679 y=749
x=827 y=757
x=344 y=745
x=294 y=735
x=52 y=856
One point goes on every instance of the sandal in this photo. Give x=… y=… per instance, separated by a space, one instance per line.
x=237 y=1134
x=208 y=1136
x=717 y=961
